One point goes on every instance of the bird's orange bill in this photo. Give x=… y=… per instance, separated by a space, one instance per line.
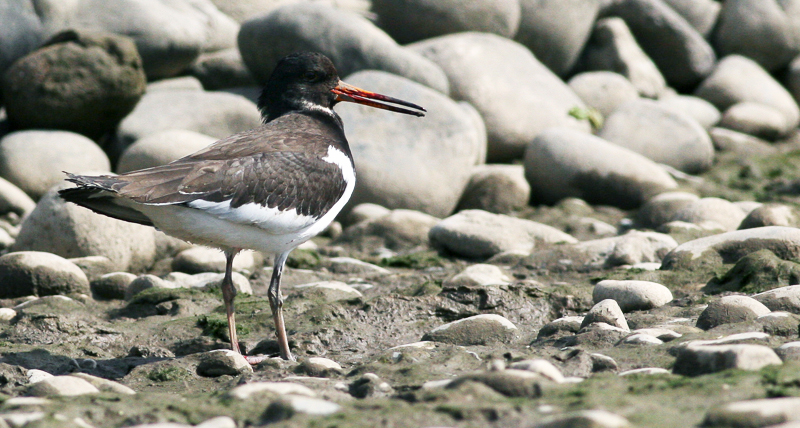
x=350 y=93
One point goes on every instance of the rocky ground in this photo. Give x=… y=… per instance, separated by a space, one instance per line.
x=596 y=224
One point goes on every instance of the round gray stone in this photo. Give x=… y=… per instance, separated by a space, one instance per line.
x=28 y=273
x=349 y=40
x=35 y=161
x=475 y=330
x=69 y=230
x=663 y=207
x=757 y=29
x=632 y=295
x=699 y=109
x=496 y=188
x=562 y=162
x=606 y=311
x=731 y=309
x=755 y=119
x=770 y=215
x=112 y=285
x=407 y=162
x=216 y=114
x=78 y=81
x=716 y=210
x=785 y=299
x=702 y=14
x=557 y=30
x=698 y=360
x=413 y=20
x=660 y=134
x=737 y=79
x=515 y=94
x=479 y=234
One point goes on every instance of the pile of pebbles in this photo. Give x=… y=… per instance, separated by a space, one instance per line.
x=595 y=224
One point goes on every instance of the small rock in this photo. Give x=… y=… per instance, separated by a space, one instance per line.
x=203 y=259
x=36 y=376
x=743 y=145
x=478 y=274
x=629 y=249
x=511 y=382
x=789 y=351
x=663 y=334
x=702 y=14
x=606 y=311
x=586 y=418
x=370 y=385
x=642 y=339
x=755 y=119
x=753 y=337
x=364 y=212
x=93 y=266
x=251 y=390
x=393 y=229
x=541 y=367
x=36 y=273
x=329 y=291
x=772 y=412
x=756 y=272
x=105 y=384
x=15 y=200
x=602 y=363
x=698 y=360
x=291 y=404
x=222 y=362
x=112 y=285
x=662 y=208
x=480 y=235
x=222 y=69
x=645 y=371
x=632 y=295
x=564 y=324
x=7 y=314
x=348 y=265
x=781 y=299
x=730 y=309
x=499 y=189
x=63 y=386
x=770 y=215
x=146 y=282
x=475 y=330
x=319 y=367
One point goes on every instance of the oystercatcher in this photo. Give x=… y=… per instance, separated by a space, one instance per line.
x=268 y=189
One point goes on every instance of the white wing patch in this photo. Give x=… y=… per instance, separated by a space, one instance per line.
x=271 y=220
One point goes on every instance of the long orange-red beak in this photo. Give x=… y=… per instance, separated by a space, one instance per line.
x=350 y=93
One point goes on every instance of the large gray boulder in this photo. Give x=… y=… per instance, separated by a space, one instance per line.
x=562 y=162
x=612 y=47
x=660 y=134
x=515 y=94
x=408 y=162
x=85 y=83
x=702 y=14
x=216 y=114
x=757 y=29
x=35 y=161
x=349 y=40
x=556 y=30
x=20 y=32
x=738 y=79
x=413 y=20
x=34 y=273
x=681 y=53
x=169 y=35
x=68 y=230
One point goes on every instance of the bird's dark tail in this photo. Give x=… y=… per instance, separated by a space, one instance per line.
x=98 y=194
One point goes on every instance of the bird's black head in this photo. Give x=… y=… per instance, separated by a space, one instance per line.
x=308 y=82
x=300 y=81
